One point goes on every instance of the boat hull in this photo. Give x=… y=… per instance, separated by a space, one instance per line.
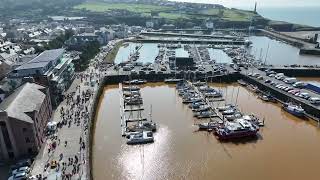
x=237 y=135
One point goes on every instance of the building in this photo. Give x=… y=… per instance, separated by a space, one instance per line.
x=103 y=36
x=209 y=24
x=149 y=24
x=6 y=63
x=7 y=86
x=52 y=68
x=23 y=118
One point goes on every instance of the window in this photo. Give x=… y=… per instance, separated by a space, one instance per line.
x=27 y=140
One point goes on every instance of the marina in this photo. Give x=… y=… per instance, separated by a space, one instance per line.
x=290 y=140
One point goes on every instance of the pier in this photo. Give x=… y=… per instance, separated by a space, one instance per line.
x=305 y=47
x=188 y=41
x=187 y=35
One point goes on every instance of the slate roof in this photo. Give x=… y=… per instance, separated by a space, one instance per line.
x=43 y=59
x=26 y=98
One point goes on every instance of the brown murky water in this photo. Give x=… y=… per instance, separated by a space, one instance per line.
x=287 y=148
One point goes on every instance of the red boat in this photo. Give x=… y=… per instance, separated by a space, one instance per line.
x=239 y=128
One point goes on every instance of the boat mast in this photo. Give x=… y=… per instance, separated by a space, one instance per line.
x=150 y=114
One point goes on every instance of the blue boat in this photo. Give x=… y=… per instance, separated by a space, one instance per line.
x=294 y=109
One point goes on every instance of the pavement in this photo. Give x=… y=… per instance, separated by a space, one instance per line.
x=72 y=155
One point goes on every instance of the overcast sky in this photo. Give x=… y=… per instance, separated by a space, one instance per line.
x=261 y=3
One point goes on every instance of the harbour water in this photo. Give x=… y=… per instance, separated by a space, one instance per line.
x=287 y=147
x=279 y=53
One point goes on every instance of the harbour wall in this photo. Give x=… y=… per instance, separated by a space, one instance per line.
x=297 y=72
x=206 y=41
x=311 y=110
x=305 y=47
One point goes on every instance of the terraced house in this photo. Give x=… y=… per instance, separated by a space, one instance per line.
x=52 y=68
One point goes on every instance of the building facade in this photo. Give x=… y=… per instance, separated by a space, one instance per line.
x=23 y=119
x=52 y=68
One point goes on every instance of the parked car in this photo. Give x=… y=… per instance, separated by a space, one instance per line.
x=305 y=95
x=260 y=78
x=268 y=81
x=299 y=84
x=314 y=100
x=290 y=80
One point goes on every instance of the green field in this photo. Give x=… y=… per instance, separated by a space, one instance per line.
x=237 y=15
x=105 y=7
x=170 y=13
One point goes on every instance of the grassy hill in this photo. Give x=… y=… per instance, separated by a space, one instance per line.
x=169 y=12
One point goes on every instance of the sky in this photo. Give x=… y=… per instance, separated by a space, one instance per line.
x=261 y=3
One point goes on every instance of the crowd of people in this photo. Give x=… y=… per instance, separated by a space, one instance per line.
x=73 y=112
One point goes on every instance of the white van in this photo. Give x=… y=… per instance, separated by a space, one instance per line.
x=290 y=80
x=314 y=100
x=279 y=76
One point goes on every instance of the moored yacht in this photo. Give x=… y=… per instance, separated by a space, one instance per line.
x=140 y=138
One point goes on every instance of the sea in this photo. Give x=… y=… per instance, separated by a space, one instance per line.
x=306 y=12
x=299 y=15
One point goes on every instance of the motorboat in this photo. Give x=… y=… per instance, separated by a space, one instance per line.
x=242 y=83
x=135 y=82
x=201 y=108
x=131 y=88
x=234 y=116
x=294 y=109
x=191 y=100
x=213 y=94
x=226 y=107
x=230 y=111
x=252 y=118
x=196 y=105
x=206 y=126
x=204 y=114
x=144 y=126
x=142 y=137
x=238 y=128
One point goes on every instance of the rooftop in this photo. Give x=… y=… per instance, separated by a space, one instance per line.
x=43 y=59
x=26 y=98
